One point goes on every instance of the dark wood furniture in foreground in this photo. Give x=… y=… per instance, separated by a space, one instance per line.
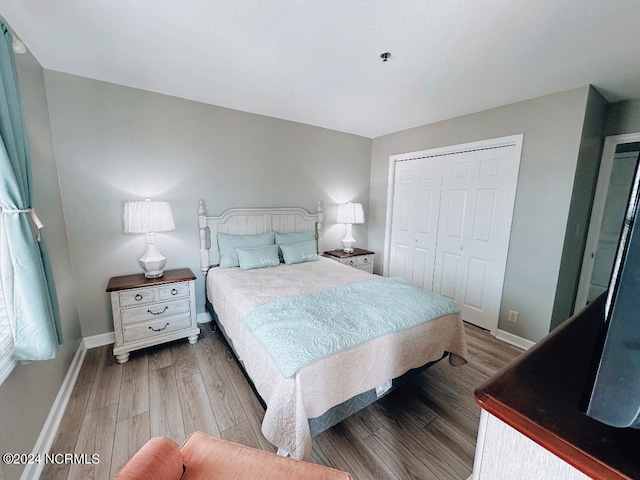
x=541 y=393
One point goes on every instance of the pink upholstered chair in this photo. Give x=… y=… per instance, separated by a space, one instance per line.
x=205 y=457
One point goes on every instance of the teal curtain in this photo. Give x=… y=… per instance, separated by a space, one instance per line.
x=26 y=270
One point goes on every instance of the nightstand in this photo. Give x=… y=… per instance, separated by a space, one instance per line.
x=150 y=311
x=362 y=259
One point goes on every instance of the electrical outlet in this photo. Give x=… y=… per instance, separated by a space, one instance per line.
x=513 y=316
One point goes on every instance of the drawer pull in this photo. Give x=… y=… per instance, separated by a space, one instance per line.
x=366 y=260
x=174 y=291
x=159 y=313
x=159 y=329
x=138 y=297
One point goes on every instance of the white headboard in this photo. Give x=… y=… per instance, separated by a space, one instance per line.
x=251 y=221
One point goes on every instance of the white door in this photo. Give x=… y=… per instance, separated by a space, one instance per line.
x=624 y=167
x=449 y=222
x=619 y=160
x=476 y=209
x=415 y=220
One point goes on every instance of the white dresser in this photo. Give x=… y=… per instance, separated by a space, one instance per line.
x=148 y=312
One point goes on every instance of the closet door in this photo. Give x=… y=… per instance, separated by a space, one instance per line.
x=478 y=192
x=416 y=203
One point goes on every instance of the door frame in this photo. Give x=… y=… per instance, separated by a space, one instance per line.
x=597 y=212
x=511 y=140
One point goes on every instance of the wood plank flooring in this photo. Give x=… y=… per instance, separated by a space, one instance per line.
x=424 y=430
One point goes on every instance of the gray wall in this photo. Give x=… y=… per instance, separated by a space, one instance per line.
x=623 y=117
x=116 y=143
x=552 y=127
x=28 y=393
x=584 y=186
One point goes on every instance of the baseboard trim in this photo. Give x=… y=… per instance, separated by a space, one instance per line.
x=99 y=340
x=514 y=340
x=203 y=317
x=52 y=423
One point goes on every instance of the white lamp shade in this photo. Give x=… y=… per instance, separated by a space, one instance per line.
x=147 y=216
x=350 y=213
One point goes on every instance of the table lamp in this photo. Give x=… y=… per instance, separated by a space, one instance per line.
x=350 y=213
x=149 y=217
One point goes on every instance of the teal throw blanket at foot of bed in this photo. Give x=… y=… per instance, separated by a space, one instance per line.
x=301 y=329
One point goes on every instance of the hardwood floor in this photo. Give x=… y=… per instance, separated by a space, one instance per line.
x=424 y=430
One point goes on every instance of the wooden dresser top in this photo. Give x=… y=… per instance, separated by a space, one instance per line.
x=541 y=393
x=138 y=280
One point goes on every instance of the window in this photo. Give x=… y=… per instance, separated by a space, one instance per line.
x=7 y=361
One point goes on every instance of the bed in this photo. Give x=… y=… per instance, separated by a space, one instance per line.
x=303 y=399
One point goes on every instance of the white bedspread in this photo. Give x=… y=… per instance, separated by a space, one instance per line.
x=317 y=387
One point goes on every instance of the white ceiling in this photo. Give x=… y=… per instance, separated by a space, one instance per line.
x=318 y=61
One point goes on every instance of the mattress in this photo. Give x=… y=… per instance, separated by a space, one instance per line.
x=319 y=386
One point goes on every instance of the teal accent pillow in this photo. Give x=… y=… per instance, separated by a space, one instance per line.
x=294 y=237
x=299 y=252
x=258 y=257
x=227 y=244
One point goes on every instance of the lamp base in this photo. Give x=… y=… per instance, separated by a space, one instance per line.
x=154 y=274
x=348 y=242
x=152 y=262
